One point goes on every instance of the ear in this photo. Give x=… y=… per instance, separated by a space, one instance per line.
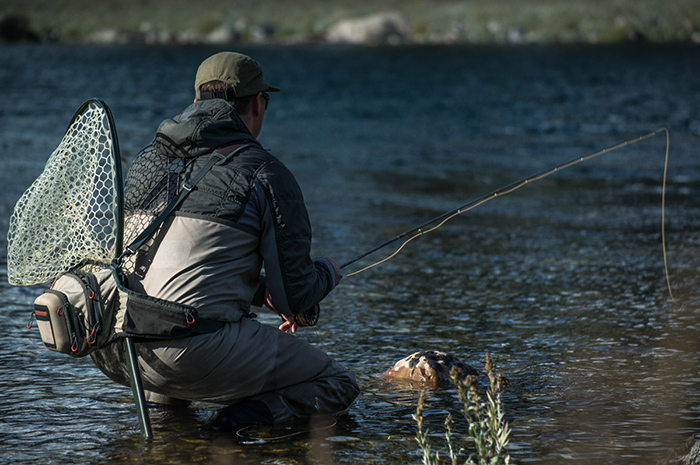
x=258 y=104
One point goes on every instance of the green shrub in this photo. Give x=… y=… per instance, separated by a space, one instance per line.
x=488 y=431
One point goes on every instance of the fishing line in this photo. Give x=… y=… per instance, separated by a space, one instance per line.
x=445 y=217
x=663 y=216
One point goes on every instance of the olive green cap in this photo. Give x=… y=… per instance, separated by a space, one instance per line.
x=240 y=71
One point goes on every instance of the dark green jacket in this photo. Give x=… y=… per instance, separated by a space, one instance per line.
x=245 y=213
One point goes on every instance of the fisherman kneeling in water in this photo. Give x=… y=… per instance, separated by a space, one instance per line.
x=243 y=214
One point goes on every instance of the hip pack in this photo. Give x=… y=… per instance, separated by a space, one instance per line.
x=76 y=314
x=82 y=311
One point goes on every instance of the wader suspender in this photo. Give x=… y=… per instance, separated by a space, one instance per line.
x=170 y=181
x=219 y=157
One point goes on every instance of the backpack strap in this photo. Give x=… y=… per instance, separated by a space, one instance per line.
x=170 y=180
x=218 y=157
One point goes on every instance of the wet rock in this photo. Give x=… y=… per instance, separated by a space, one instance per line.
x=264 y=33
x=188 y=38
x=428 y=367
x=386 y=28
x=110 y=37
x=149 y=35
x=226 y=34
x=229 y=33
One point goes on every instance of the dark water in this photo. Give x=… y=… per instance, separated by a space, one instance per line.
x=562 y=282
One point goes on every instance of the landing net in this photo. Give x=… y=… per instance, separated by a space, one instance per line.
x=72 y=213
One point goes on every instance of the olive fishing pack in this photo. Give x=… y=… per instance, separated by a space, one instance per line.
x=76 y=313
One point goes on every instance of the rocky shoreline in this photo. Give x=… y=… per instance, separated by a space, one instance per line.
x=372 y=30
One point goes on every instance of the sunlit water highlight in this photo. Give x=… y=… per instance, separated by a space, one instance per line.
x=562 y=282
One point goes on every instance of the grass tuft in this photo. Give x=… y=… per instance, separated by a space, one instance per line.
x=487 y=430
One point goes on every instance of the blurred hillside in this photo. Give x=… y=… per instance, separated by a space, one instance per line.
x=356 y=21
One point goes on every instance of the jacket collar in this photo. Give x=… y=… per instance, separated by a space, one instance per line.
x=201 y=128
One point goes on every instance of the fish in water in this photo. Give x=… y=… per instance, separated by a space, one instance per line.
x=428 y=367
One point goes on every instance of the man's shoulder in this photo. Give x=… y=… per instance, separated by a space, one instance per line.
x=262 y=160
x=270 y=171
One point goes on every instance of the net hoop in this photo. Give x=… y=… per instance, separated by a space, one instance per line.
x=73 y=212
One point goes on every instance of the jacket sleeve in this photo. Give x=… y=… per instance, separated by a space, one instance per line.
x=295 y=281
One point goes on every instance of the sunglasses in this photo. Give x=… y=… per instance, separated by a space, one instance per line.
x=266 y=96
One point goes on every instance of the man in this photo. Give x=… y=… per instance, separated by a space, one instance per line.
x=245 y=213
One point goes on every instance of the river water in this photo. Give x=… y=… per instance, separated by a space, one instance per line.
x=562 y=282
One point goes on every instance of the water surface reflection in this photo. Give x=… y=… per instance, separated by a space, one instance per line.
x=562 y=282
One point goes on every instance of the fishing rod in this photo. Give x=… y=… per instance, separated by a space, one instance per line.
x=442 y=219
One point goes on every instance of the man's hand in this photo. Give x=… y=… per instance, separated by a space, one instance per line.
x=288 y=321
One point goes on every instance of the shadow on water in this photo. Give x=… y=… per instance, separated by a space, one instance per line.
x=562 y=282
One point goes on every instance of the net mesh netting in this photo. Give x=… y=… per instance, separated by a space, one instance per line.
x=70 y=214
